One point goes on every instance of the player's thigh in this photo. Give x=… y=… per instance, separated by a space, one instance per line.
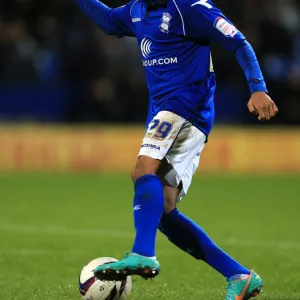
x=183 y=158
x=187 y=177
x=173 y=195
x=145 y=165
x=159 y=138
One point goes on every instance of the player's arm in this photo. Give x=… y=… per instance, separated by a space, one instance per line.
x=113 y=21
x=203 y=20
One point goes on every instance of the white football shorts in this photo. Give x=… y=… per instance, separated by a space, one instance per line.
x=180 y=142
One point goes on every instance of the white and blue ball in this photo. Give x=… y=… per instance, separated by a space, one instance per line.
x=90 y=288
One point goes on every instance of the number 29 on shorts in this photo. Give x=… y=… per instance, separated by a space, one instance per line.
x=159 y=130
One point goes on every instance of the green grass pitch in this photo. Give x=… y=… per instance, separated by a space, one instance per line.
x=53 y=224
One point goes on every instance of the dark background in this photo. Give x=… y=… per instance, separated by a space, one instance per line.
x=56 y=66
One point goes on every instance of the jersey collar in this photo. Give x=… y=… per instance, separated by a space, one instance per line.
x=155 y=4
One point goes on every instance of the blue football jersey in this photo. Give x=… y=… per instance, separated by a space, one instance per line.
x=174 y=40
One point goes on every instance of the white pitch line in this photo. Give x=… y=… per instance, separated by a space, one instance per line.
x=34 y=252
x=64 y=231
x=59 y=230
x=274 y=244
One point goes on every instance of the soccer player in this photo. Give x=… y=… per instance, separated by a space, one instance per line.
x=174 y=37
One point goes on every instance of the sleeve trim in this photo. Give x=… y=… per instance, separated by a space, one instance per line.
x=132 y=7
x=183 y=26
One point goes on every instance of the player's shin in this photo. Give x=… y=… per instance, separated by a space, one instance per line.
x=148 y=208
x=191 y=238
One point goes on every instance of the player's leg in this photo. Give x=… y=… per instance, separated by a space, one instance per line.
x=191 y=238
x=148 y=204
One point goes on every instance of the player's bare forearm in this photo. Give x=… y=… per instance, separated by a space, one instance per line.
x=260 y=103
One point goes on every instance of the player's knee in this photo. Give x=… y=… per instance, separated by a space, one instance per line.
x=166 y=224
x=169 y=207
x=145 y=165
x=139 y=172
x=170 y=195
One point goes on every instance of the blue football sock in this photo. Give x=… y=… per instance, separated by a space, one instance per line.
x=191 y=238
x=148 y=207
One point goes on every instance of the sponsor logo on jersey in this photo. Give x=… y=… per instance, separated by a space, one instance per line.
x=225 y=27
x=146 y=51
x=165 y=22
x=160 y=61
x=134 y=20
x=146 y=47
x=151 y=146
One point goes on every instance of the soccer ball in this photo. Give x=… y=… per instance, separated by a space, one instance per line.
x=90 y=288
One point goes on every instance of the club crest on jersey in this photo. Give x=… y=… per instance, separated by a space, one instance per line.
x=165 y=22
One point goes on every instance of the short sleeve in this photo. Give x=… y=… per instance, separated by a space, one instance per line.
x=204 y=21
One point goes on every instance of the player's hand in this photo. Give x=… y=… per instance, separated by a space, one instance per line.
x=262 y=105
